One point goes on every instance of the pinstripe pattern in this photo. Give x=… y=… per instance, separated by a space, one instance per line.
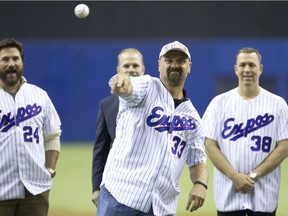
x=22 y=122
x=264 y=196
x=141 y=169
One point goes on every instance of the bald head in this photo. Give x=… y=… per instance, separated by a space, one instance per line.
x=130 y=61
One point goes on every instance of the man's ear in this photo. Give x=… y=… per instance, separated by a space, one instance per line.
x=261 y=68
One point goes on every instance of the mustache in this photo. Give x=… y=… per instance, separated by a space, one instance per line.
x=174 y=69
x=11 y=70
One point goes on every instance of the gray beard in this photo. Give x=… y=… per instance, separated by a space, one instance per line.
x=174 y=82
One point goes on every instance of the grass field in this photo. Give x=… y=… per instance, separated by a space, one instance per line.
x=71 y=192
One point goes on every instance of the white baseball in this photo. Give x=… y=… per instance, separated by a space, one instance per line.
x=81 y=11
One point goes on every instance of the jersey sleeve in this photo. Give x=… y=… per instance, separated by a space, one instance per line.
x=52 y=121
x=140 y=87
x=210 y=120
x=196 y=151
x=282 y=119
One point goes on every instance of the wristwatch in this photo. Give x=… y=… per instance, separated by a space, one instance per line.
x=253 y=175
x=52 y=172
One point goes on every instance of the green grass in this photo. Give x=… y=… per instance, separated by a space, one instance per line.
x=71 y=192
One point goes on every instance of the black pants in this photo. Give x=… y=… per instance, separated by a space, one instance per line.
x=31 y=205
x=246 y=213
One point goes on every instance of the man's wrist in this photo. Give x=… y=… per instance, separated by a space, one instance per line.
x=201 y=183
x=51 y=171
x=253 y=175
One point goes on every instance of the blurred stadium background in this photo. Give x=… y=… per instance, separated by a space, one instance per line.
x=73 y=59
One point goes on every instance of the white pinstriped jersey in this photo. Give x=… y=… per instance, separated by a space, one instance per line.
x=246 y=132
x=23 y=123
x=153 y=142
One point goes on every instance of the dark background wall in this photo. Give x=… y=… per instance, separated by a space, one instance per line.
x=73 y=59
x=144 y=19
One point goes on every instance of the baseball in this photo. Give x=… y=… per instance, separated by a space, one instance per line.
x=81 y=11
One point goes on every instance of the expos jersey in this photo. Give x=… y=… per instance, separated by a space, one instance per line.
x=23 y=124
x=153 y=142
x=246 y=132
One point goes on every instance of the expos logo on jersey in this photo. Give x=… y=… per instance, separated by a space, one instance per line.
x=162 y=122
x=7 y=120
x=234 y=131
